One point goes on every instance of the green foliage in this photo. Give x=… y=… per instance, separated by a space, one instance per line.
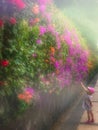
x=18 y=47
x=29 y=58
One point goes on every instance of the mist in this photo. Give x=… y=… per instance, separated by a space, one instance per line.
x=41 y=67
x=84 y=16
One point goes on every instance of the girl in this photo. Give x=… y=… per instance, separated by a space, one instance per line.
x=87 y=103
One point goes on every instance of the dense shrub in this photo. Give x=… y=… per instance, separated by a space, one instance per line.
x=37 y=53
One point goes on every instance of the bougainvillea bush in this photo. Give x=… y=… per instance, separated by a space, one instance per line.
x=38 y=52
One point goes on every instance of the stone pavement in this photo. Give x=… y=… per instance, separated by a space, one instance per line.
x=75 y=117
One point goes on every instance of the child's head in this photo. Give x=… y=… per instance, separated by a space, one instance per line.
x=90 y=91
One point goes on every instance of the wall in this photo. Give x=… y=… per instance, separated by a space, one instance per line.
x=44 y=113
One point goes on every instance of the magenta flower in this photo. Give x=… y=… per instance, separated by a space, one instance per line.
x=64 y=79
x=19 y=3
x=42 y=8
x=29 y=90
x=72 y=51
x=38 y=41
x=44 y=2
x=69 y=61
x=42 y=30
x=68 y=39
x=56 y=64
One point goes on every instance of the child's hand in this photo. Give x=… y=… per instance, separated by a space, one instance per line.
x=81 y=83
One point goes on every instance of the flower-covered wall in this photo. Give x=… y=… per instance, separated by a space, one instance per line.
x=40 y=51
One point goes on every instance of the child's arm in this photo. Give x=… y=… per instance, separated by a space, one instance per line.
x=84 y=87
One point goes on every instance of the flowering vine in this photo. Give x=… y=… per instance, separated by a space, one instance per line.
x=35 y=52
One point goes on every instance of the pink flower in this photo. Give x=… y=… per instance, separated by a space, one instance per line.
x=69 y=61
x=19 y=3
x=38 y=41
x=13 y=20
x=34 y=55
x=44 y=2
x=42 y=30
x=68 y=39
x=56 y=64
x=1 y=23
x=42 y=8
x=29 y=90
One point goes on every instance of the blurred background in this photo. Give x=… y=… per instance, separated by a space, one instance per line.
x=84 y=16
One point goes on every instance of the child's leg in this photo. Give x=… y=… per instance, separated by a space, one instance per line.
x=88 y=115
x=92 y=116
